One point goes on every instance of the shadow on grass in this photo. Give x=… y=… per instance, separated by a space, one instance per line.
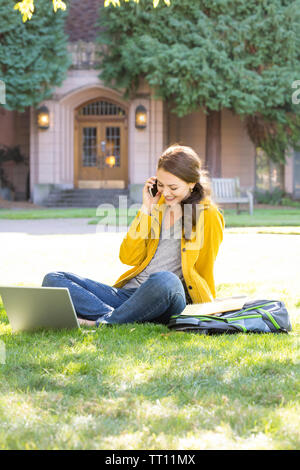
x=149 y=362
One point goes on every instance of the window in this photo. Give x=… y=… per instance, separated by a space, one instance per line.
x=89 y=150
x=113 y=143
x=268 y=174
x=101 y=108
x=296 y=175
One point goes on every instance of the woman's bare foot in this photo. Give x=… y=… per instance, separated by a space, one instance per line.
x=84 y=322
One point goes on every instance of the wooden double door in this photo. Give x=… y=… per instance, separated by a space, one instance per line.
x=101 y=158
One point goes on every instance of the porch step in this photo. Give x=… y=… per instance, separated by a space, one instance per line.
x=85 y=197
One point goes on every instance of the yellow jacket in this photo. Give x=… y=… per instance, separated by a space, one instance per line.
x=197 y=255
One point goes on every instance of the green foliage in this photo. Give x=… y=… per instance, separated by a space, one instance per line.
x=270 y=197
x=10 y=154
x=33 y=55
x=287 y=201
x=277 y=197
x=240 y=55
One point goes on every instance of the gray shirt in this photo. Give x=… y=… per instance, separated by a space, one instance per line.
x=166 y=258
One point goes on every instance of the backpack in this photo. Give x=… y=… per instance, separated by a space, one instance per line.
x=259 y=316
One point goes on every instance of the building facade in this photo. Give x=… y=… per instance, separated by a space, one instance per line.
x=93 y=142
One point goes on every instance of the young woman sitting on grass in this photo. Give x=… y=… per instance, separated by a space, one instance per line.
x=172 y=245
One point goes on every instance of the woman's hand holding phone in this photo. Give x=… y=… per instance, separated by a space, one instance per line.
x=148 y=200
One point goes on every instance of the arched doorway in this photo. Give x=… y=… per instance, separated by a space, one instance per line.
x=100 y=144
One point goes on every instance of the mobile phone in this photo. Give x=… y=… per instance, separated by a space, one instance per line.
x=153 y=190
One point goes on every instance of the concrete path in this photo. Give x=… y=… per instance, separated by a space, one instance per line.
x=53 y=226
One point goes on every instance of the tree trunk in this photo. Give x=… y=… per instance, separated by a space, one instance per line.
x=213 y=143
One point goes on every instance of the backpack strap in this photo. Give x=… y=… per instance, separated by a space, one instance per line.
x=270 y=321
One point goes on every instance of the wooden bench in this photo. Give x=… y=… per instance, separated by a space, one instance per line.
x=228 y=191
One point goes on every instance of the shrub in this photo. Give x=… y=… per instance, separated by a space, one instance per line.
x=270 y=197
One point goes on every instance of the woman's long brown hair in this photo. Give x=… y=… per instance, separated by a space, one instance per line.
x=184 y=162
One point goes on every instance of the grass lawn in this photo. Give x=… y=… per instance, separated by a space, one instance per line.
x=32 y=214
x=262 y=217
x=144 y=387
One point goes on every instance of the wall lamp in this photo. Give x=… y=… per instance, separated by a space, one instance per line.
x=43 y=120
x=141 y=117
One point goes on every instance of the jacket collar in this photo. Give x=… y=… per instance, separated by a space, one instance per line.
x=158 y=212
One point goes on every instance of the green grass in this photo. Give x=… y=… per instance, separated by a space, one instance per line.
x=264 y=218
x=144 y=387
x=261 y=218
x=24 y=214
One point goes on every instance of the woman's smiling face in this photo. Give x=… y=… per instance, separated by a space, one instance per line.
x=173 y=189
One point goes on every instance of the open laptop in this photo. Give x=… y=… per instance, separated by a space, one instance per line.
x=35 y=308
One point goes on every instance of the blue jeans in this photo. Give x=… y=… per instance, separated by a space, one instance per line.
x=159 y=297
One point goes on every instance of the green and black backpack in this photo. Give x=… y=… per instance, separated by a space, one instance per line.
x=260 y=316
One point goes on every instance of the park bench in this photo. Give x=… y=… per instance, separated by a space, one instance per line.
x=228 y=191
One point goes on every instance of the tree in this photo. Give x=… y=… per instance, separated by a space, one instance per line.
x=33 y=55
x=242 y=55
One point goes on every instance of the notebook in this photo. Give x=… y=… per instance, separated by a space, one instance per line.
x=217 y=306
